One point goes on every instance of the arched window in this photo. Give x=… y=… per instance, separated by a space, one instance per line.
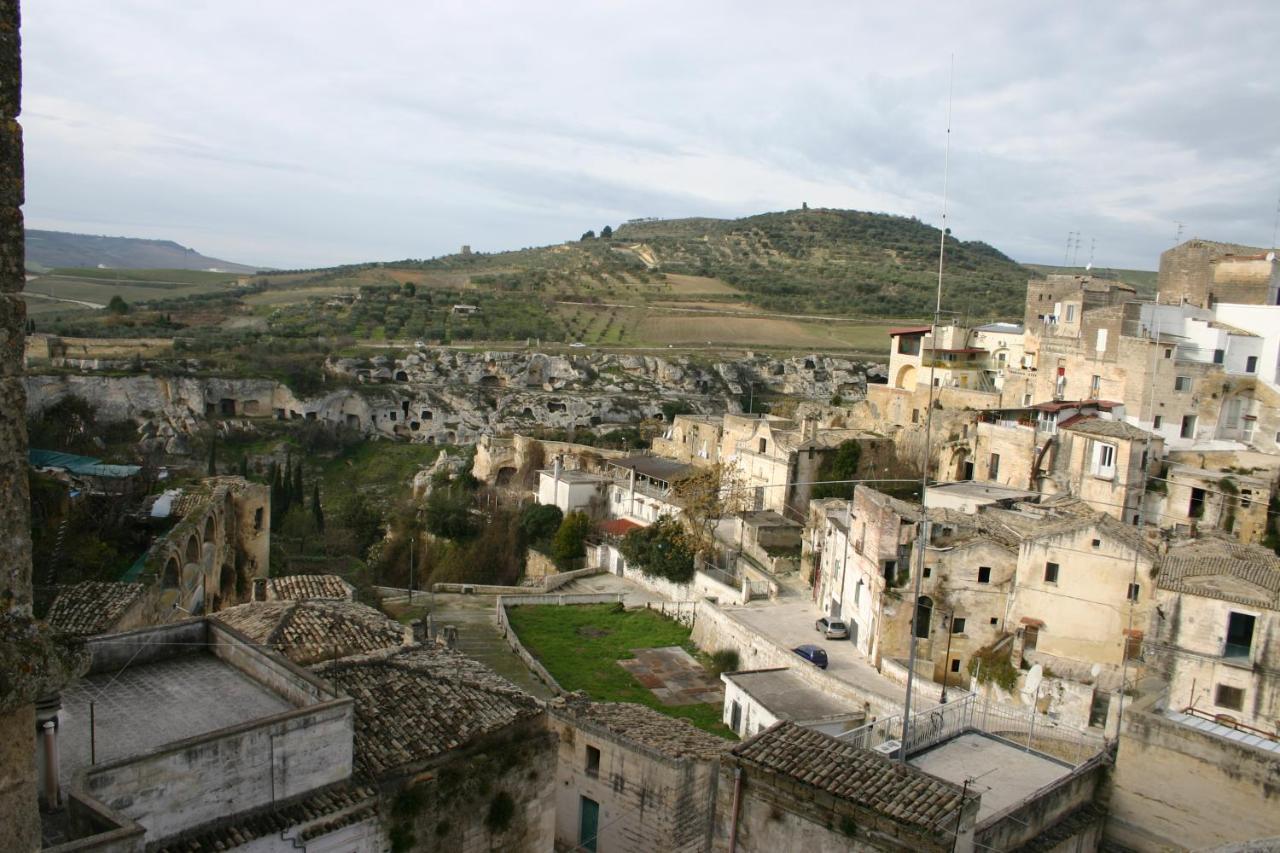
x=209 y=529
x=171 y=572
x=924 y=613
x=193 y=550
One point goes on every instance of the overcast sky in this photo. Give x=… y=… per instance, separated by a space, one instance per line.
x=313 y=133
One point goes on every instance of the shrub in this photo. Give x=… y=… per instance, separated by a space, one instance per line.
x=991 y=666
x=570 y=540
x=724 y=660
x=501 y=809
x=661 y=549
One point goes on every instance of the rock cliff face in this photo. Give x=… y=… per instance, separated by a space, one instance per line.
x=453 y=397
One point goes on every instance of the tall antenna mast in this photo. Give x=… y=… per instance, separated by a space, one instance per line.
x=923 y=537
x=1066 y=253
x=1177 y=237
x=1276 y=227
x=1093 y=244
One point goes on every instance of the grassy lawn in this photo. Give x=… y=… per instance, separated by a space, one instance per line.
x=580 y=646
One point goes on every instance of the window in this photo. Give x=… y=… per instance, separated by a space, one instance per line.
x=1095 y=385
x=1188 y=426
x=955 y=664
x=957 y=626
x=993 y=468
x=1157 y=421
x=915 y=416
x=735 y=717
x=924 y=612
x=984 y=574
x=1182 y=383
x=1026 y=399
x=1239 y=635
x=1097 y=543
x=1098 y=708
x=257 y=519
x=995 y=620
x=1195 y=509
x=1251 y=364
x=891 y=571
x=928 y=571
x=1168 y=352
x=593 y=761
x=1219 y=356
x=1134 y=590
x=1071 y=313
x=1104 y=460
x=909 y=345
x=1030 y=636
x=1050 y=572
x=1231 y=698
x=764 y=443
x=1133 y=645
x=1101 y=343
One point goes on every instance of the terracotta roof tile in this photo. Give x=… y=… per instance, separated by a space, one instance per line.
x=92 y=607
x=413 y=704
x=297 y=587
x=326 y=811
x=674 y=738
x=1214 y=568
x=314 y=630
x=898 y=791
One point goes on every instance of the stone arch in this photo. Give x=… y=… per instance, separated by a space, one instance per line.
x=401 y=376
x=924 y=615
x=906 y=377
x=172 y=571
x=506 y=475
x=193 y=549
x=210 y=530
x=490 y=382
x=227 y=583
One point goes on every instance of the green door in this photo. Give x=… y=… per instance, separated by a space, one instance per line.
x=588 y=824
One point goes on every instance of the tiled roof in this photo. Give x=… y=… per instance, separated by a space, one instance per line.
x=296 y=587
x=866 y=778
x=1215 y=568
x=314 y=630
x=415 y=703
x=327 y=810
x=92 y=607
x=1104 y=428
x=674 y=738
x=617 y=527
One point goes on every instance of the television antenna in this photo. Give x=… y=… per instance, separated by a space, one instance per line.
x=1177 y=237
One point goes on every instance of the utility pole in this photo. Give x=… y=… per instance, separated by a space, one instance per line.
x=946 y=667
x=410 y=571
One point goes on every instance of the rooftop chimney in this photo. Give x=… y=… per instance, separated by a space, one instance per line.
x=259 y=589
x=415 y=633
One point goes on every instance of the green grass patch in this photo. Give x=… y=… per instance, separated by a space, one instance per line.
x=580 y=646
x=383 y=471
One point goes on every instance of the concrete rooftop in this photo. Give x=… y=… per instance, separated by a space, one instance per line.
x=1002 y=773
x=789 y=697
x=149 y=705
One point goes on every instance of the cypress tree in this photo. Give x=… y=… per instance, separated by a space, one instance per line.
x=213 y=455
x=299 y=493
x=317 y=512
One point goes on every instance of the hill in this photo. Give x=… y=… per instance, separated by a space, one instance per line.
x=59 y=249
x=1144 y=281
x=798 y=261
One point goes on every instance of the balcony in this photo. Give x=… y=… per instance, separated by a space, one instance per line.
x=1237 y=653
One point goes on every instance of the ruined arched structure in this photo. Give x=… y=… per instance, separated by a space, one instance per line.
x=209 y=558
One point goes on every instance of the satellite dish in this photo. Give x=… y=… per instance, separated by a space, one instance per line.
x=1088 y=266
x=1034 y=677
x=1271 y=256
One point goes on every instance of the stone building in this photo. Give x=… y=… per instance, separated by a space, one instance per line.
x=694 y=439
x=1215 y=633
x=756 y=699
x=99 y=607
x=1204 y=273
x=462 y=759
x=631 y=779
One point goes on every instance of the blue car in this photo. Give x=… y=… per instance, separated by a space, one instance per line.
x=813 y=654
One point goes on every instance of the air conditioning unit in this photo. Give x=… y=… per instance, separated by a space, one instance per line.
x=889 y=748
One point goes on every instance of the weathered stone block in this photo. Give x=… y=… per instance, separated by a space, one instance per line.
x=12 y=249
x=13 y=318
x=12 y=191
x=10 y=60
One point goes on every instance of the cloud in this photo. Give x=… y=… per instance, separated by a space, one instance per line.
x=299 y=136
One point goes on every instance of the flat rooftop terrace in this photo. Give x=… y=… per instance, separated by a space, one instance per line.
x=150 y=705
x=788 y=696
x=1004 y=774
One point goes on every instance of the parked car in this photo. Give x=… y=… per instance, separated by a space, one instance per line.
x=813 y=654
x=832 y=629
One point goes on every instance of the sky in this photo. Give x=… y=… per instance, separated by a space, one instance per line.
x=296 y=134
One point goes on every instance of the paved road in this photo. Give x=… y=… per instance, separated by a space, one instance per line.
x=789 y=620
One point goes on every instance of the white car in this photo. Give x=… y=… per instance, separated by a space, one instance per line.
x=577 y=345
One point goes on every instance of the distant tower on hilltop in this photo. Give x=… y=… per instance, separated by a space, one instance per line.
x=466 y=250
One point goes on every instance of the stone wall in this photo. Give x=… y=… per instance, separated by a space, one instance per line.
x=1175 y=787
x=648 y=801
